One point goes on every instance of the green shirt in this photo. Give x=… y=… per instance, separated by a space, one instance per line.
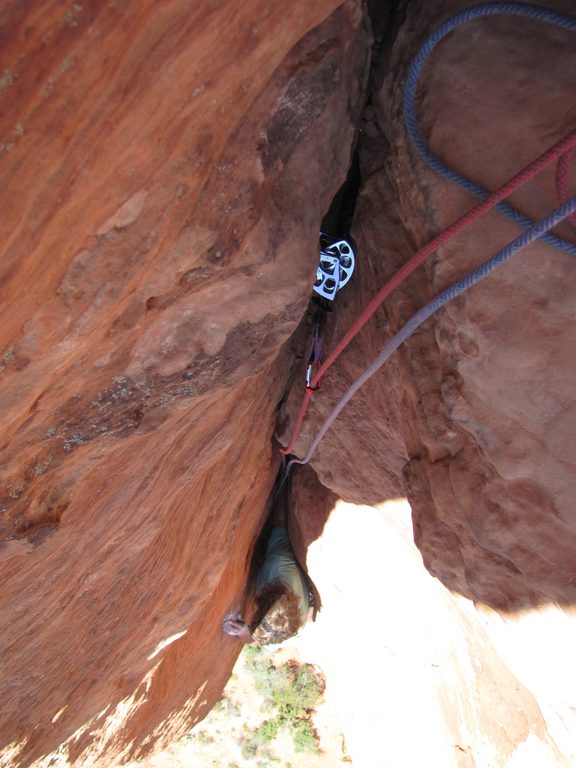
x=280 y=567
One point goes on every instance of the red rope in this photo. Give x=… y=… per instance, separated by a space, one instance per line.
x=564 y=147
x=562 y=185
x=298 y=425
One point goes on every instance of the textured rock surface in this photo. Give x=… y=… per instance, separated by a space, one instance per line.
x=165 y=167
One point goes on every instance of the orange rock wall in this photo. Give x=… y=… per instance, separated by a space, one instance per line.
x=165 y=168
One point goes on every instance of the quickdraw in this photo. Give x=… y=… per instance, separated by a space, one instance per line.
x=316 y=358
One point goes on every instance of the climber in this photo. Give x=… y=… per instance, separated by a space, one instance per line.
x=282 y=592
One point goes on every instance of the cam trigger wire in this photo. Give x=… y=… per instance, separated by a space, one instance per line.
x=315 y=360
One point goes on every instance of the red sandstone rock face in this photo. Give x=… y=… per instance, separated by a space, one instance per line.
x=165 y=168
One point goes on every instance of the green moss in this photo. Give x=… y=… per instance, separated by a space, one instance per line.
x=291 y=692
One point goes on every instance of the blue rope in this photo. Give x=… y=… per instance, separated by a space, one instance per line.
x=533 y=233
x=488 y=9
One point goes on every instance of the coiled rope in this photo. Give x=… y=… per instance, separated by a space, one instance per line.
x=562 y=149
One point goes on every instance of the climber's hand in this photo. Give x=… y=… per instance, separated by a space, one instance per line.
x=237 y=627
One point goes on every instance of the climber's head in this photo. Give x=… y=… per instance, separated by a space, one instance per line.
x=277 y=615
